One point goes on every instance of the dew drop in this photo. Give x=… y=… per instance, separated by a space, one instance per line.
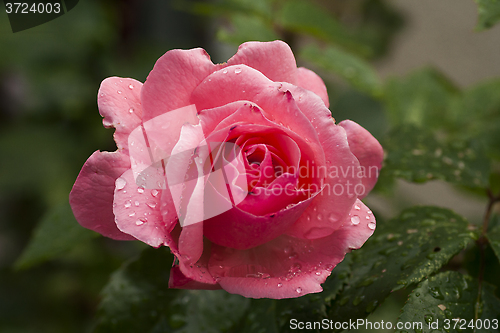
x=333 y=217
x=154 y=193
x=237 y=70
x=368 y=211
x=128 y=204
x=355 y=220
x=318 y=273
x=131 y=110
x=372 y=225
x=298 y=290
x=293 y=256
x=357 y=207
x=280 y=285
x=367 y=217
x=130 y=86
x=119 y=91
x=131 y=214
x=139 y=222
x=287 y=250
x=140 y=190
x=151 y=204
x=436 y=293
x=319 y=217
x=120 y=183
x=136 y=203
x=224 y=71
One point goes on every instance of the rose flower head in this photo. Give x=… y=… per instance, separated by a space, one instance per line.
x=239 y=168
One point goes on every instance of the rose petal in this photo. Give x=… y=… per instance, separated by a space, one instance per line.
x=172 y=80
x=197 y=270
x=137 y=211
x=341 y=168
x=225 y=86
x=273 y=59
x=309 y=80
x=178 y=280
x=92 y=195
x=282 y=192
x=238 y=229
x=367 y=150
x=120 y=105
x=289 y=267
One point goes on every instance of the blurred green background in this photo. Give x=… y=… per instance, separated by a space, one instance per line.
x=365 y=50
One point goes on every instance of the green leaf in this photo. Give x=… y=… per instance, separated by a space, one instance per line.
x=137 y=299
x=403 y=251
x=348 y=66
x=477 y=114
x=489 y=14
x=245 y=28
x=490 y=306
x=421 y=98
x=493 y=236
x=306 y=17
x=417 y=155
x=57 y=233
x=437 y=301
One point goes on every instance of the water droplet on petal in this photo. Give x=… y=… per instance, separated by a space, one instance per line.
x=119 y=91
x=333 y=217
x=136 y=203
x=319 y=217
x=139 y=222
x=151 y=204
x=280 y=285
x=131 y=86
x=355 y=220
x=120 y=183
x=154 y=193
x=131 y=110
x=237 y=70
x=224 y=71
x=140 y=190
x=298 y=290
x=367 y=217
x=131 y=214
x=128 y=204
x=356 y=207
x=372 y=225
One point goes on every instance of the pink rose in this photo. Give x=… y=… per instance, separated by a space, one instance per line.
x=238 y=167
